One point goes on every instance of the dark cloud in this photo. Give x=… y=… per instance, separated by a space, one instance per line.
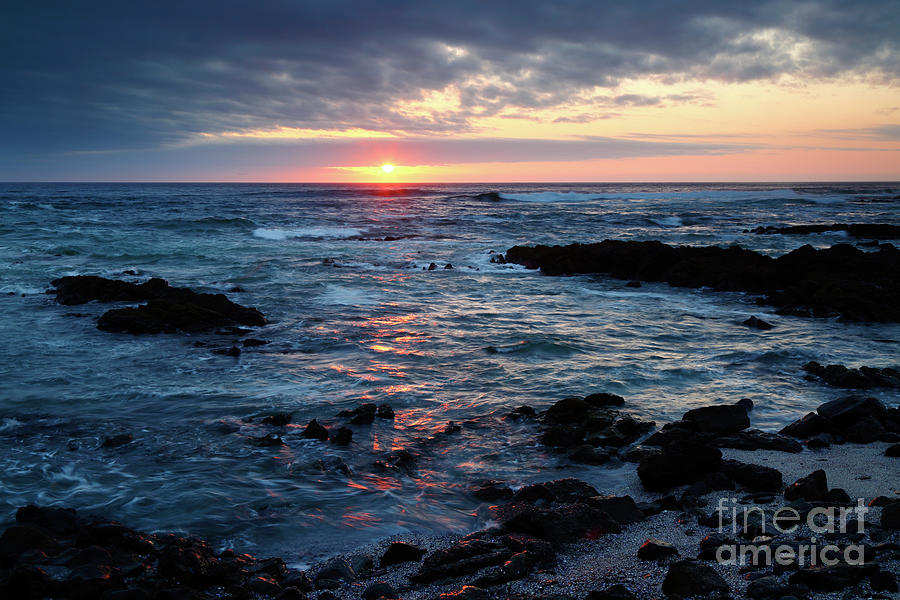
x=885 y=133
x=118 y=75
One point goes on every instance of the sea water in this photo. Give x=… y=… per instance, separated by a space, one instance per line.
x=341 y=272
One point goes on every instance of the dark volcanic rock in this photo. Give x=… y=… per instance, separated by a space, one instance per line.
x=678 y=463
x=561 y=523
x=756 y=323
x=878 y=231
x=401 y=552
x=654 y=548
x=384 y=411
x=723 y=418
x=808 y=425
x=852 y=408
x=861 y=378
x=615 y=592
x=831 y=578
x=812 y=487
x=342 y=437
x=692 y=578
x=622 y=509
x=315 y=430
x=753 y=477
x=168 y=309
x=892 y=451
x=277 y=419
x=754 y=439
x=490 y=491
x=841 y=280
x=890 y=516
x=603 y=399
x=379 y=589
x=117 y=440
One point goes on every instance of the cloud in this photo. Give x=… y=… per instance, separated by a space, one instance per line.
x=886 y=133
x=96 y=75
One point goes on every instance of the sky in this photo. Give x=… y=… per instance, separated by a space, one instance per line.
x=331 y=90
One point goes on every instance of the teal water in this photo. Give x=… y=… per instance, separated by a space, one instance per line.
x=355 y=318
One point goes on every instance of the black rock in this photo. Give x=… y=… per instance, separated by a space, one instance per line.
x=653 y=549
x=830 y=578
x=277 y=419
x=850 y=409
x=561 y=523
x=253 y=342
x=757 y=478
x=754 y=439
x=364 y=414
x=401 y=552
x=603 y=399
x=384 y=411
x=379 y=589
x=808 y=425
x=864 y=431
x=622 y=509
x=893 y=451
x=615 y=592
x=234 y=351
x=490 y=491
x=687 y=578
x=890 y=516
x=266 y=440
x=521 y=412
x=812 y=487
x=747 y=403
x=723 y=418
x=315 y=430
x=569 y=411
x=883 y=581
x=337 y=569
x=342 y=437
x=878 y=231
x=432 y=267
x=757 y=324
x=860 y=285
x=677 y=464
x=117 y=440
x=586 y=454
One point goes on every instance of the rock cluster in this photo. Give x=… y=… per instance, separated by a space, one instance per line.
x=838 y=281
x=882 y=231
x=57 y=553
x=857 y=419
x=862 y=378
x=167 y=309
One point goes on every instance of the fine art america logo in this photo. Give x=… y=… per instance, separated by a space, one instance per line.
x=756 y=522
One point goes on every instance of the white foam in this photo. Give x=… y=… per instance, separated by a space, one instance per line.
x=669 y=221
x=306 y=232
x=345 y=296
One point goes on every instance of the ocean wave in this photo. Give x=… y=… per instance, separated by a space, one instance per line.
x=306 y=232
x=345 y=296
x=535 y=348
x=549 y=196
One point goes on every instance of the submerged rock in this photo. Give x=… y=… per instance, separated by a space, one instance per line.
x=315 y=430
x=756 y=323
x=883 y=231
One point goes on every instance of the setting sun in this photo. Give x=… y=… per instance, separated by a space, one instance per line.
x=387 y=168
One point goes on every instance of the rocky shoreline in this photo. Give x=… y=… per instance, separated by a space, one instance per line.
x=561 y=539
x=840 y=281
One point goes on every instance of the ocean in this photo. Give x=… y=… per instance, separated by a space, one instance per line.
x=356 y=315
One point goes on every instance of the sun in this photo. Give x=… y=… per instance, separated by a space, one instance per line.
x=387 y=168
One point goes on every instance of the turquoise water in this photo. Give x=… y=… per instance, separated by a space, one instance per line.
x=355 y=318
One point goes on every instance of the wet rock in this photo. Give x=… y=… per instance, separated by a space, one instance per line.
x=234 y=351
x=521 y=412
x=890 y=516
x=568 y=411
x=861 y=378
x=467 y=592
x=808 y=425
x=364 y=414
x=268 y=440
x=448 y=266
x=753 y=477
x=851 y=409
x=687 y=578
x=566 y=490
x=432 y=267
x=561 y=523
x=614 y=592
x=587 y=455
x=342 y=437
x=876 y=231
x=277 y=419
x=653 y=549
x=384 y=411
x=622 y=509
x=754 y=439
x=253 y=342
x=720 y=419
x=747 y=403
x=332 y=464
x=756 y=323
x=830 y=578
x=336 y=569
x=603 y=399
x=462 y=558
x=117 y=440
x=893 y=451
x=864 y=431
x=401 y=552
x=860 y=285
x=677 y=464
x=490 y=491
x=812 y=487
x=709 y=546
x=452 y=427
x=81 y=289
x=315 y=430
x=379 y=589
